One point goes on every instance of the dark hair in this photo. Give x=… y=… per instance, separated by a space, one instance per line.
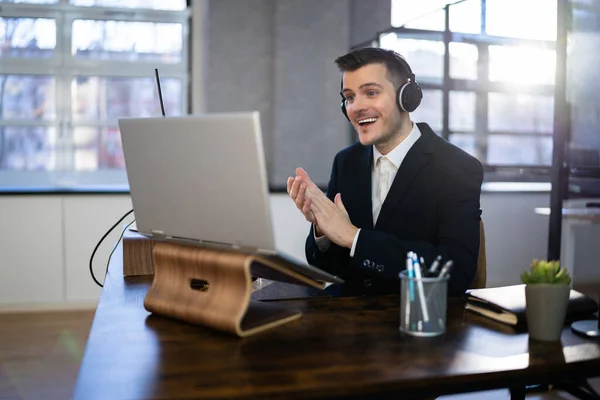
x=397 y=68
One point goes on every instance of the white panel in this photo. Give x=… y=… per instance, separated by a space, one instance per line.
x=31 y=250
x=87 y=218
x=515 y=235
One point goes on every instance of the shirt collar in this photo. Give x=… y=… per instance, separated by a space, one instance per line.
x=396 y=156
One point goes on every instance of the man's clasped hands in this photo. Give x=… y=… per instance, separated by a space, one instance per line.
x=330 y=218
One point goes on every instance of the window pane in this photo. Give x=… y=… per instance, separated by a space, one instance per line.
x=465 y=141
x=430 y=15
x=520 y=113
x=27 y=97
x=466 y=17
x=522 y=65
x=519 y=150
x=463 y=60
x=418 y=14
x=531 y=19
x=27 y=37
x=96 y=98
x=98 y=148
x=127 y=41
x=148 y=4
x=462 y=111
x=30 y=1
x=27 y=148
x=425 y=57
x=430 y=110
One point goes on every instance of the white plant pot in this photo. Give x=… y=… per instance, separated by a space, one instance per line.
x=546 y=309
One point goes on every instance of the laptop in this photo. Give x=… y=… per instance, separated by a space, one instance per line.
x=201 y=180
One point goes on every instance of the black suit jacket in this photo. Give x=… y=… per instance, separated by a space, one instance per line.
x=432 y=208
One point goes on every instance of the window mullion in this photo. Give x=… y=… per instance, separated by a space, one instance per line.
x=482 y=107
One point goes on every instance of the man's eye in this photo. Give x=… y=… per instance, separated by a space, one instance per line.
x=350 y=98
x=372 y=93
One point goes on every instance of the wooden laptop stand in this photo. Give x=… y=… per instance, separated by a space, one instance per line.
x=210 y=287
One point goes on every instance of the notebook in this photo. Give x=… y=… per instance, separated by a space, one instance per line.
x=506 y=304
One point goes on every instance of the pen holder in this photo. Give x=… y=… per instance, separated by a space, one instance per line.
x=423 y=304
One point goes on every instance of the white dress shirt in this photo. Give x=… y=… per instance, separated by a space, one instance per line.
x=395 y=156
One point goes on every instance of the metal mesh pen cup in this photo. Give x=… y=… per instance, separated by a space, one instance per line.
x=423 y=304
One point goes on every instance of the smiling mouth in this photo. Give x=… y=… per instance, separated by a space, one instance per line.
x=366 y=121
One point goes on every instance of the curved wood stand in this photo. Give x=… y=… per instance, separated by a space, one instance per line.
x=212 y=287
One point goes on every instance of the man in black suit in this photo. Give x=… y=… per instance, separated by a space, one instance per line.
x=402 y=188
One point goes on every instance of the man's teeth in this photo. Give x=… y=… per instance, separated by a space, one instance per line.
x=366 y=120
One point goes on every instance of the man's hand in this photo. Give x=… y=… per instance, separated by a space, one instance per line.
x=297 y=189
x=333 y=219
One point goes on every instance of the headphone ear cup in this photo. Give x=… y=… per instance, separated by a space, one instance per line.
x=409 y=97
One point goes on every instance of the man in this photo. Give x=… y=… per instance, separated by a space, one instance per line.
x=401 y=189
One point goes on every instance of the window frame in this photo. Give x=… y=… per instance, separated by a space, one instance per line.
x=481 y=86
x=64 y=67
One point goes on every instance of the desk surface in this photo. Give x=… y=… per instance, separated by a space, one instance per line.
x=341 y=347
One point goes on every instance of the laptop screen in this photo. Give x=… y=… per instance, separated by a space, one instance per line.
x=200 y=178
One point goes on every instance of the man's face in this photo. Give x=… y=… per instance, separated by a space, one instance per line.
x=371 y=105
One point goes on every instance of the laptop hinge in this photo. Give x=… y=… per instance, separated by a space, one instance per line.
x=156 y=234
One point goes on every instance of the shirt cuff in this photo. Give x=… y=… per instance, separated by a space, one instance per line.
x=322 y=242
x=354 y=243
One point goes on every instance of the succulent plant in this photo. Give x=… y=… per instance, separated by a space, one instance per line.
x=543 y=271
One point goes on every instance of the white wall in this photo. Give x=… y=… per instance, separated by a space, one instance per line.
x=514 y=234
x=31 y=250
x=46 y=242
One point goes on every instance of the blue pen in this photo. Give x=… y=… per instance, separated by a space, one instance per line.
x=411 y=275
x=421 y=290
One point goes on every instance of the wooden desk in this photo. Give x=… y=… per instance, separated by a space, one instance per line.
x=340 y=348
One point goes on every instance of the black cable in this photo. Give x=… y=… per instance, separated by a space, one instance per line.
x=100 y=242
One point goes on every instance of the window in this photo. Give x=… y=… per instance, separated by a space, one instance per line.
x=430 y=109
x=499 y=84
x=430 y=15
x=523 y=65
x=463 y=60
x=531 y=19
x=425 y=56
x=69 y=73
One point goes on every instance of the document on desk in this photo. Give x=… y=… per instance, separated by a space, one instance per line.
x=506 y=304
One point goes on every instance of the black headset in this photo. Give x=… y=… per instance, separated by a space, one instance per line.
x=408 y=96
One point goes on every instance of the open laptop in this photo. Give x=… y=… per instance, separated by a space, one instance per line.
x=201 y=180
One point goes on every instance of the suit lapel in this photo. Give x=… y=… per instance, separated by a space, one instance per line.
x=363 y=186
x=417 y=157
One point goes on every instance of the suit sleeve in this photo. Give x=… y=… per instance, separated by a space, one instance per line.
x=459 y=216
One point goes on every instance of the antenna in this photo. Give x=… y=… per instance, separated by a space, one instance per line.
x=162 y=106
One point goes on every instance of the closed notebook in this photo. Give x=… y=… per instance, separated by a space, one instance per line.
x=506 y=304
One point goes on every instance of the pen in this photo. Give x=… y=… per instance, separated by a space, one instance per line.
x=420 y=289
x=446 y=269
x=435 y=265
x=411 y=274
x=443 y=273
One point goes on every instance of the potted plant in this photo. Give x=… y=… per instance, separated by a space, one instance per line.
x=547 y=289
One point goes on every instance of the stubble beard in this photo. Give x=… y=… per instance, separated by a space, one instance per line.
x=391 y=134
